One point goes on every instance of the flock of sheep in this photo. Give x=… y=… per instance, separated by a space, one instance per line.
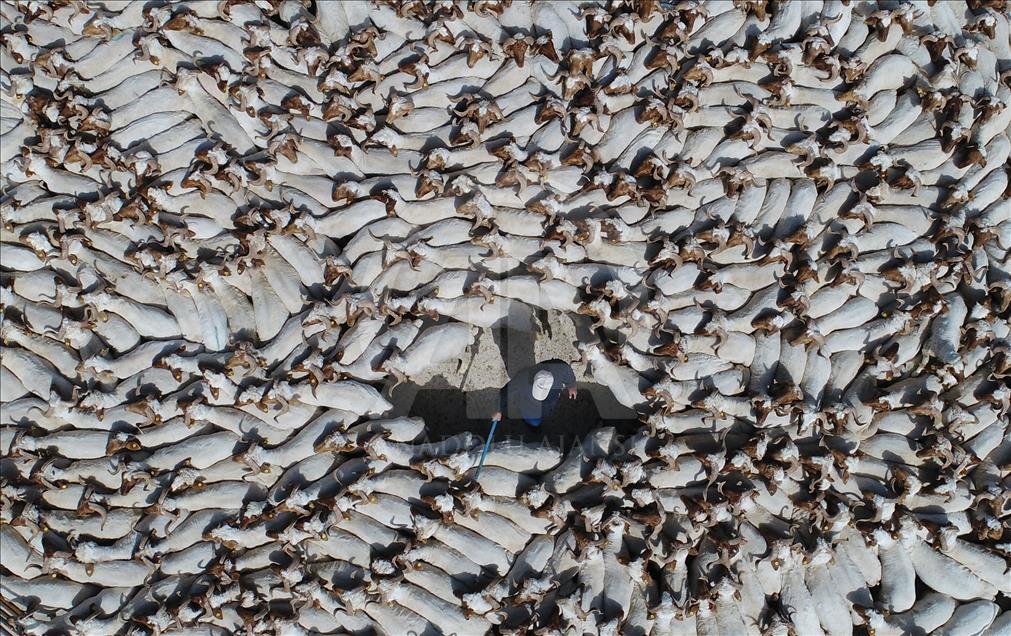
x=227 y=226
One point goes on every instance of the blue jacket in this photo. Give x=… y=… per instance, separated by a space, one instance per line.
x=516 y=398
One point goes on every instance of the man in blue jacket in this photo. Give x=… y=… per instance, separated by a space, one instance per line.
x=534 y=392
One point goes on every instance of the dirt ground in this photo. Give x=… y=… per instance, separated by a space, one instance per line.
x=457 y=397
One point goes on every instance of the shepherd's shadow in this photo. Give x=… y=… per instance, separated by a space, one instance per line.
x=516 y=348
x=447 y=411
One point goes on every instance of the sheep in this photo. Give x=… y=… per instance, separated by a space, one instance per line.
x=780 y=235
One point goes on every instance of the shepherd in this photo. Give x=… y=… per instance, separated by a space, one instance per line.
x=533 y=393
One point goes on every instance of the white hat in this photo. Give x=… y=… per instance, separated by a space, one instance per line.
x=543 y=382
